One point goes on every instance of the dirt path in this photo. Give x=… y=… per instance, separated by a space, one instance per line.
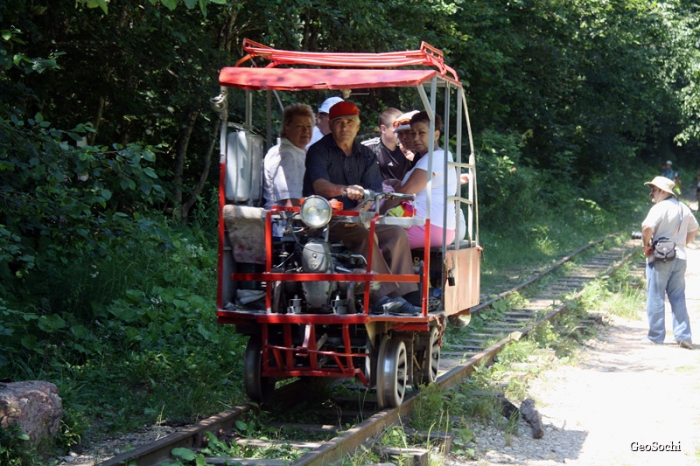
x=622 y=391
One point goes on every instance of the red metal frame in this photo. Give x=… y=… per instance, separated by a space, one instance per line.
x=269 y=277
x=353 y=71
x=284 y=360
x=286 y=357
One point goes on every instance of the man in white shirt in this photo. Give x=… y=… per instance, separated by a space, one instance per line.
x=671 y=219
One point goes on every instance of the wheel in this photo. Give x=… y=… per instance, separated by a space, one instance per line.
x=258 y=388
x=392 y=373
x=370 y=362
x=431 y=358
x=279 y=301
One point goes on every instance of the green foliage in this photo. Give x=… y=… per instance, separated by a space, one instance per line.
x=428 y=407
x=623 y=294
x=73 y=426
x=64 y=202
x=545 y=335
x=507 y=189
x=16 y=449
x=462 y=443
x=105 y=125
x=215 y=447
x=394 y=437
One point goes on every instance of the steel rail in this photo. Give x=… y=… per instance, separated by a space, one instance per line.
x=335 y=449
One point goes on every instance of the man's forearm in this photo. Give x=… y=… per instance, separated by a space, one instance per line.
x=647 y=235
x=327 y=189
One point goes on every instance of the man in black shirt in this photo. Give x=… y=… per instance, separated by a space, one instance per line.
x=338 y=167
x=391 y=159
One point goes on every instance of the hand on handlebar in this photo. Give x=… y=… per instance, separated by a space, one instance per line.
x=355 y=192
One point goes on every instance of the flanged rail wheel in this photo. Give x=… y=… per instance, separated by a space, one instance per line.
x=431 y=362
x=258 y=388
x=370 y=362
x=392 y=372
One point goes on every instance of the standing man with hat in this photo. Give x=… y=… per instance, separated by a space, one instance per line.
x=671 y=219
x=321 y=128
x=339 y=167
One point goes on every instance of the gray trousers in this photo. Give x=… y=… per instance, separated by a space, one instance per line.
x=390 y=253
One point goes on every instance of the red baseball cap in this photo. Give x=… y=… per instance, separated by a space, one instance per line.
x=343 y=109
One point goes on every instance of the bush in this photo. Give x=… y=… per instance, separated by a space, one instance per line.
x=508 y=190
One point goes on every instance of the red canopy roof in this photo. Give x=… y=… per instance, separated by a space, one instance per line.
x=359 y=70
x=299 y=79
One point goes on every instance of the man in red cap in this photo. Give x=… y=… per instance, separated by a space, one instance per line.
x=339 y=167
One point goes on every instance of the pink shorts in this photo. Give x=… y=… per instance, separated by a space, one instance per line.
x=416 y=236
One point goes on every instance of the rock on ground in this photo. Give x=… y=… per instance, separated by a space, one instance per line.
x=34 y=405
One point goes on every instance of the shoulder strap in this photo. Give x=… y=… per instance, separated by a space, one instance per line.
x=680 y=220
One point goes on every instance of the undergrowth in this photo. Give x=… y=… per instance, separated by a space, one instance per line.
x=128 y=332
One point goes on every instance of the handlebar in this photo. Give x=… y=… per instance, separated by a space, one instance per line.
x=371 y=195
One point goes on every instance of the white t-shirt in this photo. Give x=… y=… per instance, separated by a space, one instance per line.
x=283 y=175
x=316 y=134
x=664 y=218
x=438 y=194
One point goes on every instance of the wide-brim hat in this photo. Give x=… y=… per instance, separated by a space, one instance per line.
x=663 y=183
x=403 y=122
x=328 y=103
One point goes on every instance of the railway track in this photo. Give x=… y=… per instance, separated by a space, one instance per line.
x=349 y=418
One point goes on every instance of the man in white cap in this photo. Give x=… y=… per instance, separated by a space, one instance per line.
x=668 y=170
x=671 y=219
x=322 y=128
x=402 y=129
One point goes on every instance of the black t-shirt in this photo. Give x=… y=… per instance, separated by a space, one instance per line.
x=392 y=163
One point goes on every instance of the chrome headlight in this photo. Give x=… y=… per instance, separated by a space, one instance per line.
x=316 y=212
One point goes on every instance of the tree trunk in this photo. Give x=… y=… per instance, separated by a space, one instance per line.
x=226 y=36
x=187 y=205
x=180 y=153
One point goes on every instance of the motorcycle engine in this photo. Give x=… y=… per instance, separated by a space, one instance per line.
x=316 y=258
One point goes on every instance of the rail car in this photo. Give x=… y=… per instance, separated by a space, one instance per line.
x=304 y=302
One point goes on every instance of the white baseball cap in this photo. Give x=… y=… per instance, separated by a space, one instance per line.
x=403 y=122
x=328 y=103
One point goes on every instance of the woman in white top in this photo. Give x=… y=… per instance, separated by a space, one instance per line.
x=285 y=164
x=416 y=181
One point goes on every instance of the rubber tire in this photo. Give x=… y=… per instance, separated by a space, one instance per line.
x=370 y=363
x=392 y=373
x=431 y=358
x=258 y=388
